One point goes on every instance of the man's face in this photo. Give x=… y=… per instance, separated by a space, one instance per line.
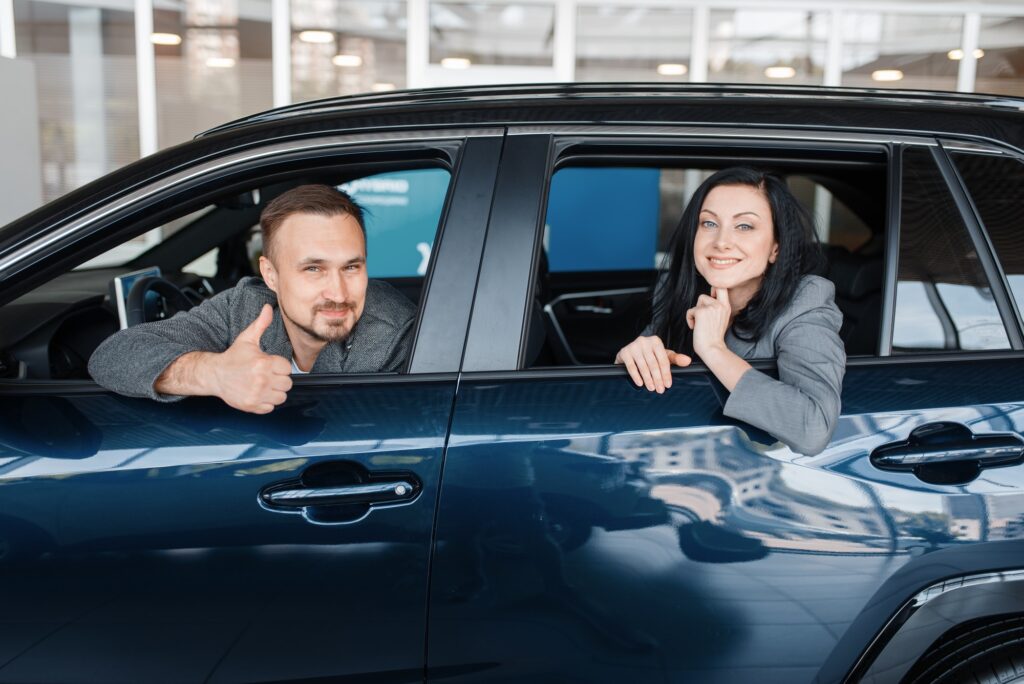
x=318 y=270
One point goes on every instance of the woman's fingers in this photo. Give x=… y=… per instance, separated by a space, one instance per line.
x=664 y=365
x=691 y=317
x=654 y=368
x=634 y=373
x=677 y=359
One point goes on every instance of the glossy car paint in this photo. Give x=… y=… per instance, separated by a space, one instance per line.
x=139 y=551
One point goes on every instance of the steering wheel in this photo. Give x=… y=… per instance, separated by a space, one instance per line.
x=165 y=301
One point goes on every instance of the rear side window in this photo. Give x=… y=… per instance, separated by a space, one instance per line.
x=943 y=299
x=996 y=185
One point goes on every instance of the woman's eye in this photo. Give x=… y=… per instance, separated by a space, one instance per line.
x=708 y=224
x=744 y=226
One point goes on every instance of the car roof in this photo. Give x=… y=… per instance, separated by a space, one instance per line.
x=579 y=95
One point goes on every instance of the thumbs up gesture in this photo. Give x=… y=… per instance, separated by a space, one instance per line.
x=247 y=378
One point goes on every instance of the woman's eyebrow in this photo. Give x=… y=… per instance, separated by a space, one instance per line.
x=752 y=213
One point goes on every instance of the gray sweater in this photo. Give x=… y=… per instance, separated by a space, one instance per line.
x=130 y=361
x=801 y=408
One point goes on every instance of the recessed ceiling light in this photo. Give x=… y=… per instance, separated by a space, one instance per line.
x=672 y=69
x=382 y=87
x=455 y=63
x=780 y=72
x=165 y=39
x=347 y=60
x=220 y=62
x=887 y=75
x=958 y=54
x=316 y=36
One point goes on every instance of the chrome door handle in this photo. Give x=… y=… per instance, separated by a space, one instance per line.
x=949 y=453
x=379 y=492
x=593 y=308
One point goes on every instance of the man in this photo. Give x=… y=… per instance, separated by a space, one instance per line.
x=314 y=311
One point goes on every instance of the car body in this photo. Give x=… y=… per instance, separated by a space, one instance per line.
x=537 y=517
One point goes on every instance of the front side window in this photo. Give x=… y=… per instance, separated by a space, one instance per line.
x=943 y=299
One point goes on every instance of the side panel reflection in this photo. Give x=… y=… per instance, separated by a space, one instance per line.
x=595 y=531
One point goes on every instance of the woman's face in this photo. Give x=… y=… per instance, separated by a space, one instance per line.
x=735 y=240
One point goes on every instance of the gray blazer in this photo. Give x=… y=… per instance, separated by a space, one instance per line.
x=130 y=361
x=801 y=408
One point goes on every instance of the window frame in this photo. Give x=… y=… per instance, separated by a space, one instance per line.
x=542 y=150
x=470 y=156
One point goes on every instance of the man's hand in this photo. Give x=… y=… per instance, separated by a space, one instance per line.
x=649 y=363
x=242 y=375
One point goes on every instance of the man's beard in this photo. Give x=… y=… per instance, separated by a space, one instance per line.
x=335 y=333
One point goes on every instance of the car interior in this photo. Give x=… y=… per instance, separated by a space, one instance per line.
x=584 y=316
x=50 y=332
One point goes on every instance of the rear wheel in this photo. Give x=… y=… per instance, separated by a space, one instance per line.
x=990 y=652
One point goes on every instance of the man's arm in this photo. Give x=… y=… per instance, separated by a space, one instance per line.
x=242 y=375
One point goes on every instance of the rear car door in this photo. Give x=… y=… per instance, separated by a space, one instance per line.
x=592 y=531
x=191 y=542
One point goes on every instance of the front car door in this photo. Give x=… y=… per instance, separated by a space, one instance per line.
x=592 y=531
x=142 y=541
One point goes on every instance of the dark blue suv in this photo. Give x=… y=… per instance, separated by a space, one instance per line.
x=511 y=507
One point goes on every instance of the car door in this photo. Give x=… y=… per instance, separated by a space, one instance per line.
x=592 y=531
x=142 y=541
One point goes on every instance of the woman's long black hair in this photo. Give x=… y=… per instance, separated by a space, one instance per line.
x=799 y=254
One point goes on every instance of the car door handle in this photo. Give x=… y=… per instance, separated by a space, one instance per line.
x=380 y=492
x=948 y=453
x=594 y=309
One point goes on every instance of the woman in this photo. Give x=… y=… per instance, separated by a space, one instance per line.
x=739 y=287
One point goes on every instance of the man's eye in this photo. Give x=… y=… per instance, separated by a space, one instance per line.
x=312 y=269
x=353 y=267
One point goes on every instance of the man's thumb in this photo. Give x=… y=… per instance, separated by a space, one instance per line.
x=256 y=329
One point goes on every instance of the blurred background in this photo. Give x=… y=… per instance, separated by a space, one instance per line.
x=97 y=84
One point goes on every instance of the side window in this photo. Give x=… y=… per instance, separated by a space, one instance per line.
x=205 y=250
x=997 y=187
x=943 y=299
x=607 y=231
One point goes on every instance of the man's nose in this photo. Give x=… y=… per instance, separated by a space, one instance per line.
x=335 y=288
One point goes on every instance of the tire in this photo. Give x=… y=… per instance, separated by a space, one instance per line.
x=990 y=652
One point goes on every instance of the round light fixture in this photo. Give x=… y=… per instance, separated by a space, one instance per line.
x=672 y=69
x=780 y=72
x=220 y=62
x=887 y=75
x=958 y=54
x=455 y=63
x=165 y=39
x=382 y=87
x=347 y=60
x=320 y=37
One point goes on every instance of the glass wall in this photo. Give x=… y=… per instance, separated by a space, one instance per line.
x=900 y=50
x=622 y=43
x=84 y=60
x=1001 y=56
x=342 y=47
x=759 y=46
x=213 y=64
x=491 y=33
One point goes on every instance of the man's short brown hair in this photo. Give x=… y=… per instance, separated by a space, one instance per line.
x=320 y=200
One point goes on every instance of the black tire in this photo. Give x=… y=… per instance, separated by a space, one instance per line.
x=990 y=652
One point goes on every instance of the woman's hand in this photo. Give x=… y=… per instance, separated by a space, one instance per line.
x=709 y=320
x=649 y=363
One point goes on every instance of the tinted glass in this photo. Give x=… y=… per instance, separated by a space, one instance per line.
x=943 y=300
x=997 y=186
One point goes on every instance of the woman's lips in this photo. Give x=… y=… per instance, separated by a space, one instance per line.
x=722 y=263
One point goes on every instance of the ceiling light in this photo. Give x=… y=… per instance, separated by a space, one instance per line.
x=316 y=36
x=958 y=54
x=780 y=72
x=887 y=75
x=220 y=62
x=672 y=69
x=455 y=63
x=382 y=87
x=165 y=39
x=347 y=60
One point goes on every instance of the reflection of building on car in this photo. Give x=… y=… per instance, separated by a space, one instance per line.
x=642 y=537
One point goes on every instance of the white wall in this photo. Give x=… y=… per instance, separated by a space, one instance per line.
x=20 y=173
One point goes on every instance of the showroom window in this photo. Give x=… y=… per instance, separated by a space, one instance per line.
x=626 y=43
x=758 y=46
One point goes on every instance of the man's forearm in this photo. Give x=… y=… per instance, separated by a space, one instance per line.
x=187 y=376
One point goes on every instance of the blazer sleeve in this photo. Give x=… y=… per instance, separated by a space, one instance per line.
x=801 y=408
x=129 y=361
